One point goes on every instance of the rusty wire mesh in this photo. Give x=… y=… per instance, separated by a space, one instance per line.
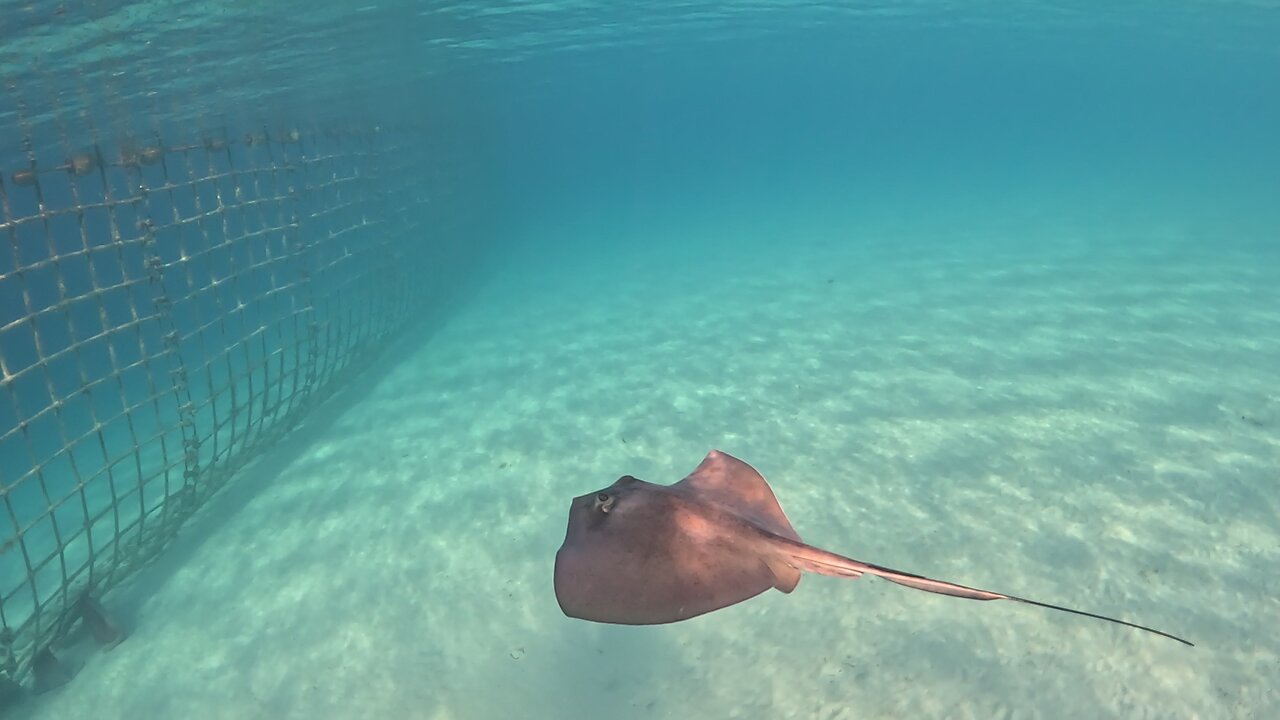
x=195 y=251
x=177 y=287
x=164 y=316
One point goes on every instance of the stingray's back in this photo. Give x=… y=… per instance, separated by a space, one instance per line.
x=655 y=557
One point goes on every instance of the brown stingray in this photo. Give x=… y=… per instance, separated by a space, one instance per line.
x=637 y=553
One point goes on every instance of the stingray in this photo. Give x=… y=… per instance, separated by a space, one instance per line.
x=637 y=553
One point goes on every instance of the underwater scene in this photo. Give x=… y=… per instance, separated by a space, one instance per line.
x=577 y=360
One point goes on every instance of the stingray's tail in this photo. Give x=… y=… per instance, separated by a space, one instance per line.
x=1102 y=617
x=815 y=560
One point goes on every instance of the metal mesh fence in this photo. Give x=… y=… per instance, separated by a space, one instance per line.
x=166 y=310
x=195 y=251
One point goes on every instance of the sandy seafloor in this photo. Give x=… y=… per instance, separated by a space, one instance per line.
x=1095 y=423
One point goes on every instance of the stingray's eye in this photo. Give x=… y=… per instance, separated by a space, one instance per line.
x=604 y=502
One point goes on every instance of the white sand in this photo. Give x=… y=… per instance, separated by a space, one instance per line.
x=1097 y=426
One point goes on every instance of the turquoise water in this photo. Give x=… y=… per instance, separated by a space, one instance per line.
x=988 y=292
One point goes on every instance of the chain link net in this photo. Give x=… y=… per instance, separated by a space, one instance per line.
x=172 y=301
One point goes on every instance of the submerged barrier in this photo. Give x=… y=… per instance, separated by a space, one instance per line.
x=168 y=306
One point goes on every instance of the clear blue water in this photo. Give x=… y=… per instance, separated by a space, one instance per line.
x=1023 y=193
x=932 y=123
